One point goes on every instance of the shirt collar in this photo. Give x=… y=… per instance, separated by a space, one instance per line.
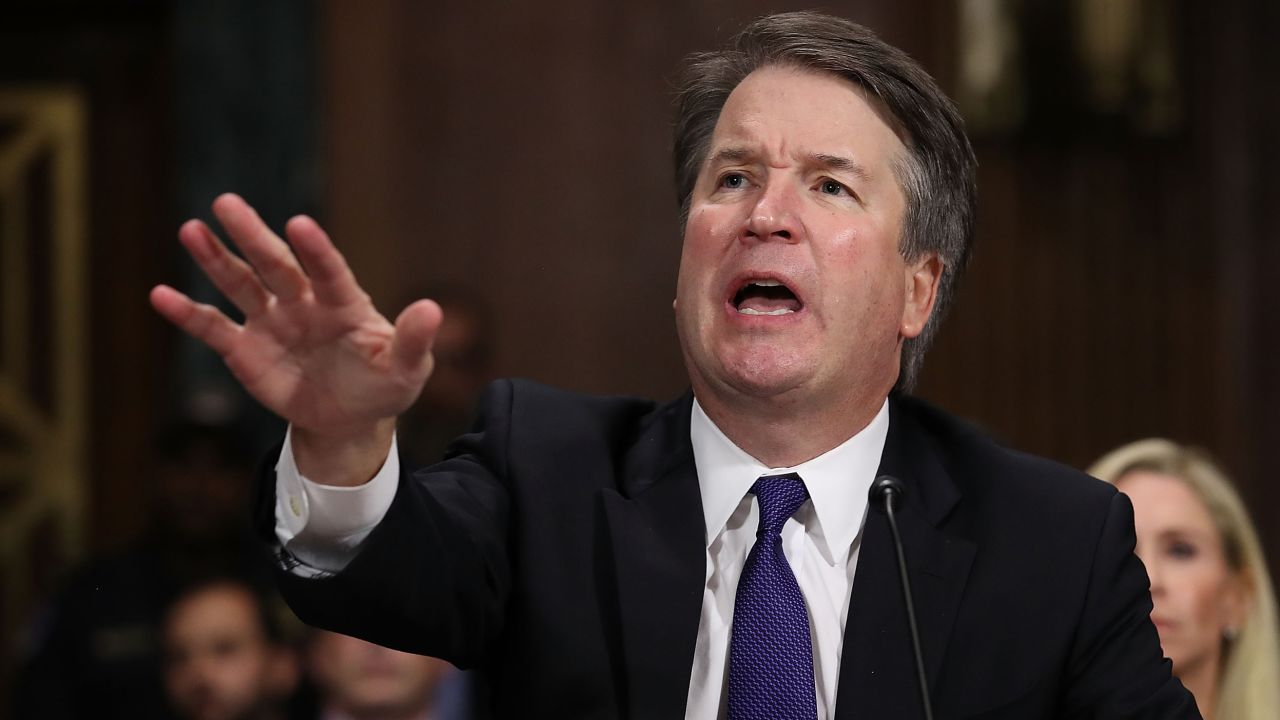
x=838 y=480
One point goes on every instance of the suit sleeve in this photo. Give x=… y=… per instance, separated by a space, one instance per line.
x=433 y=576
x=1117 y=669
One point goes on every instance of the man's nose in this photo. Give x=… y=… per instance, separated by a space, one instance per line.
x=774 y=215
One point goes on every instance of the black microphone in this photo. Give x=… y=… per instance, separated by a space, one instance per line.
x=887 y=492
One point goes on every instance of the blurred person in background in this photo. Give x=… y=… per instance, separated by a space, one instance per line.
x=358 y=680
x=95 y=649
x=225 y=656
x=1214 y=604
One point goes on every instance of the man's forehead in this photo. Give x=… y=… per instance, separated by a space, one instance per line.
x=794 y=111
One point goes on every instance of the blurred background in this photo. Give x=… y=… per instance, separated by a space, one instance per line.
x=514 y=157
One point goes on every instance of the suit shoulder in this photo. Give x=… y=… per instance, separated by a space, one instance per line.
x=527 y=397
x=551 y=416
x=984 y=469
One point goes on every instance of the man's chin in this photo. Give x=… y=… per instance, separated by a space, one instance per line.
x=765 y=383
x=756 y=372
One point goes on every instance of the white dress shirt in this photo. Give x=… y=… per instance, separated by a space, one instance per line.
x=820 y=541
x=322 y=527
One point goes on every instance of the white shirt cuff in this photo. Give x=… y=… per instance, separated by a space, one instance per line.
x=322 y=526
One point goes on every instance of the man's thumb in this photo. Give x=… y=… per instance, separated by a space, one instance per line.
x=416 y=329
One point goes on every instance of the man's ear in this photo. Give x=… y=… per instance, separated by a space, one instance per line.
x=922 y=278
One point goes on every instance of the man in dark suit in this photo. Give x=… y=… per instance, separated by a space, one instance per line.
x=715 y=556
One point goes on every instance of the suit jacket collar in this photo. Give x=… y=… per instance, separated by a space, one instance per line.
x=877 y=669
x=655 y=532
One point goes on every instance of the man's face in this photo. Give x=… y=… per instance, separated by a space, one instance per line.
x=791 y=287
x=220 y=665
x=361 y=679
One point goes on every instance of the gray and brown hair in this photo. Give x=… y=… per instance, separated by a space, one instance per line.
x=937 y=176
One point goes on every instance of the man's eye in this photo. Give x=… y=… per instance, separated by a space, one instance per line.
x=831 y=187
x=733 y=181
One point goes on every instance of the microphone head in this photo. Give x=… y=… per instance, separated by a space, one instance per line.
x=887 y=489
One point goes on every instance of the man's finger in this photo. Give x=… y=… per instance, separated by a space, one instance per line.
x=269 y=255
x=331 y=279
x=416 y=329
x=232 y=276
x=203 y=322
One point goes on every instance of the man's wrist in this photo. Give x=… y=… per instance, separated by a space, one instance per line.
x=345 y=460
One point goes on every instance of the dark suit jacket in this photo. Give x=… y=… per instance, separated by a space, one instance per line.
x=560 y=550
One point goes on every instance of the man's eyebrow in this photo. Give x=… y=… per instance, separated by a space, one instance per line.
x=731 y=155
x=844 y=164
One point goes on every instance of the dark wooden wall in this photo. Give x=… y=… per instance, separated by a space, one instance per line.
x=117 y=58
x=1123 y=286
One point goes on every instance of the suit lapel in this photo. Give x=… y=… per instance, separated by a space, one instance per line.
x=655 y=531
x=877 y=669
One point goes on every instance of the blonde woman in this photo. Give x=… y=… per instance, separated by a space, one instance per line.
x=1215 y=608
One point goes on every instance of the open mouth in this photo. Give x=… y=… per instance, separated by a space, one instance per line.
x=766 y=297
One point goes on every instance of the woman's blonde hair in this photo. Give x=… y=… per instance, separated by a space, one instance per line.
x=1249 y=686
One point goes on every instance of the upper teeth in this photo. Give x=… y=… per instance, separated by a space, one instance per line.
x=753 y=311
x=766 y=283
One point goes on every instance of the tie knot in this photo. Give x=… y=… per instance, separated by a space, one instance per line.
x=779 y=496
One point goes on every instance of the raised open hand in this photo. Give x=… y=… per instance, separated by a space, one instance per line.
x=312 y=347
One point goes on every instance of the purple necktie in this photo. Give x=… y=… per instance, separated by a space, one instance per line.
x=770 y=653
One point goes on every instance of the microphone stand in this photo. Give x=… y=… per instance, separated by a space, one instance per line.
x=887 y=491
